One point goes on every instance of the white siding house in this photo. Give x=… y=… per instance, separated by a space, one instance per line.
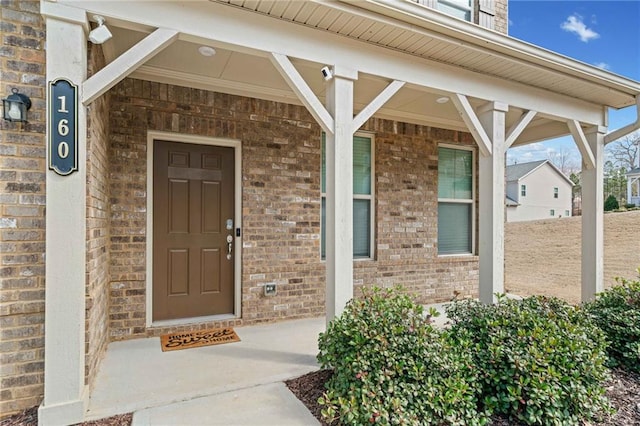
x=537 y=190
x=633 y=186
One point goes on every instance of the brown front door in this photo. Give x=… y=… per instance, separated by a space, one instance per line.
x=193 y=204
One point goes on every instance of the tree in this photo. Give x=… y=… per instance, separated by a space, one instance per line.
x=615 y=181
x=611 y=203
x=563 y=160
x=625 y=152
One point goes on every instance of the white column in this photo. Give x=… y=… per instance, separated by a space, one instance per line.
x=65 y=243
x=339 y=190
x=592 y=217
x=492 y=208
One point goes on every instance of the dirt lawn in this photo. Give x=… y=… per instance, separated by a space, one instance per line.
x=543 y=257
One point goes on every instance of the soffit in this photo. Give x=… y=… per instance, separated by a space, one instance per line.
x=452 y=41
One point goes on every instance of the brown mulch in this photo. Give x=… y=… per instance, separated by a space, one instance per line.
x=623 y=390
x=29 y=417
x=308 y=389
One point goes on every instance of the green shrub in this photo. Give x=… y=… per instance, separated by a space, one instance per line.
x=541 y=360
x=392 y=367
x=617 y=312
x=629 y=206
x=611 y=203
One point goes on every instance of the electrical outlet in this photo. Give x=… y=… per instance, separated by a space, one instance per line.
x=270 y=290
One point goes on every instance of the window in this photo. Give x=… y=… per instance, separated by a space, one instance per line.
x=458 y=8
x=555 y=192
x=523 y=190
x=455 y=200
x=363 y=219
x=567 y=213
x=552 y=212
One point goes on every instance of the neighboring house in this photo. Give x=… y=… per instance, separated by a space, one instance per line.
x=633 y=186
x=188 y=172
x=537 y=190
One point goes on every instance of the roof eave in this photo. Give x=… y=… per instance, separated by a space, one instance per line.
x=419 y=15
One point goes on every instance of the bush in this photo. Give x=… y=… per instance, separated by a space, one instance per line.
x=629 y=206
x=392 y=367
x=617 y=312
x=611 y=203
x=541 y=361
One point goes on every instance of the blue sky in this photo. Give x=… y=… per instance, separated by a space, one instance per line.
x=602 y=33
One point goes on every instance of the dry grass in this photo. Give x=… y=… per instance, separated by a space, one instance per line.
x=543 y=257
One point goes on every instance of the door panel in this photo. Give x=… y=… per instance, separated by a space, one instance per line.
x=211 y=267
x=178 y=272
x=193 y=196
x=211 y=217
x=178 y=206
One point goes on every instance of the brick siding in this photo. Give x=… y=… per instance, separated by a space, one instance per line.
x=97 y=247
x=22 y=202
x=281 y=203
x=501 y=19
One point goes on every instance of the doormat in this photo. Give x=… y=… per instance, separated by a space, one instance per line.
x=196 y=339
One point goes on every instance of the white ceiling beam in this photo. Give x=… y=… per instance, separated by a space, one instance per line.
x=583 y=146
x=518 y=127
x=64 y=13
x=376 y=104
x=472 y=121
x=541 y=132
x=161 y=75
x=219 y=23
x=126 y=63
x=304 y=92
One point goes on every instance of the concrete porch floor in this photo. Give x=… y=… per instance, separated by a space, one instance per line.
x=231 y=384
x=223 y=383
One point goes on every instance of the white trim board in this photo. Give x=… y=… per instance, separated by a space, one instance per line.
x=237 y=267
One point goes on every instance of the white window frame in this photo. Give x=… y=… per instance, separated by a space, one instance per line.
x=370 y=197
x=567 y=213
x=552 y=212
x=458 y=5
x=471 y=201
x=523 y=190
x=555 y=192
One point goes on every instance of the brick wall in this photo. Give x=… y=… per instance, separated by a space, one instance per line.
x=407 y=207
x=22 y=201
x=501 y=20
x=281 y=203
x=97 y=247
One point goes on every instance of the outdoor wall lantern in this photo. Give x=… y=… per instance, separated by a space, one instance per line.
x=15 y=106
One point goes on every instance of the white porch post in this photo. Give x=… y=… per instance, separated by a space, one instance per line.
x=65 y=243
x=491 y=209
x=337 y=120
x=339 y=190
x=592 y=216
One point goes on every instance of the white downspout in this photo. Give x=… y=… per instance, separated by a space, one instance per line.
x=624 y=131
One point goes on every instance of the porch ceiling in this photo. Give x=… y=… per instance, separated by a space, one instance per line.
x=436 y=37
x=247 y=75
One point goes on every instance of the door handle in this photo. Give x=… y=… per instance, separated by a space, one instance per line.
x=229 y=246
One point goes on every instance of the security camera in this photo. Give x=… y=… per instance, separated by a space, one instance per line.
x=326 y=73
x=101 y=33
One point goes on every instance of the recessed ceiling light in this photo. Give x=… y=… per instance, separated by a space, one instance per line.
x=442 y=100
x=206 y=51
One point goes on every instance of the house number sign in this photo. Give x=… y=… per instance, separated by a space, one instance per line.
x=63 y=127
